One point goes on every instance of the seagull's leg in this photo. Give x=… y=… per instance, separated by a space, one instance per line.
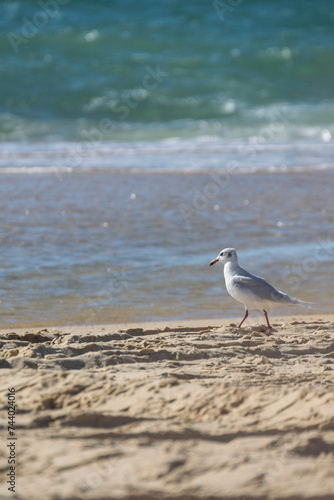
x=246 y=314
x=269 y=326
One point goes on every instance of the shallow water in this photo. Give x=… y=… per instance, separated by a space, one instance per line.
x=140 y=138
x=114 y=247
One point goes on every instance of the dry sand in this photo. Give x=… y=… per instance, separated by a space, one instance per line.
x=188 y=411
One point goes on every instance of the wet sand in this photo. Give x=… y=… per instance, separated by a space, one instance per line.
x=180 y=410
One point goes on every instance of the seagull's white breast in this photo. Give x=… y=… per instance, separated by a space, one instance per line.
x=248 y=299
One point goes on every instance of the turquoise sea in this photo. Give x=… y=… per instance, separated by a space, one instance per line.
x=140 y=138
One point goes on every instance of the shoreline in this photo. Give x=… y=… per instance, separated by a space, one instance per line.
x=255 y=320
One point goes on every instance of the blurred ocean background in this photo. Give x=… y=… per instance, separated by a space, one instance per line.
x=138 y=139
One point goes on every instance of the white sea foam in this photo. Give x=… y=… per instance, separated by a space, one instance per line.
x=174 y=154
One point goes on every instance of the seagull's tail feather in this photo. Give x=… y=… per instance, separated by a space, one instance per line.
x=297 y=302
x=302 y=303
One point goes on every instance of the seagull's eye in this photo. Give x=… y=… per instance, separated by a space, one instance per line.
x=222 y=253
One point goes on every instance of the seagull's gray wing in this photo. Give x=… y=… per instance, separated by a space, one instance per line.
x=259 y=288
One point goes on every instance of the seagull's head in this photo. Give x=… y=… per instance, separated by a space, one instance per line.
x=226 y=255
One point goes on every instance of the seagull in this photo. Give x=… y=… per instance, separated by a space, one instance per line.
x=252 y=291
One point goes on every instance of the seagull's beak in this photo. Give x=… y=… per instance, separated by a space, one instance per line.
x=213 y=262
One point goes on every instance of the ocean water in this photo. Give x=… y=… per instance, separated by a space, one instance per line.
x=169 y=68
x=140 y=138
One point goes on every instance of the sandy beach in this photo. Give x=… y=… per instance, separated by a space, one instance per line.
x=179 y=411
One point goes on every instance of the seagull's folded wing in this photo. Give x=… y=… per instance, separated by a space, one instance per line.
x=259 y=288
